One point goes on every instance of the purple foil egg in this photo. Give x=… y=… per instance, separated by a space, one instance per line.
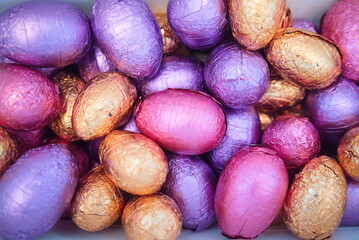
x=175 y=72
x=29 y=100
x=351 y=214
x=93 y=148
x=334 y=110
x=44 y=33
x=243 y=129
x=94 y=63
x=305 y=24
x=198 y=24
x=35 y=192
x=128 y=34
x=192 y=184
x=130 y=125
x=237 y=77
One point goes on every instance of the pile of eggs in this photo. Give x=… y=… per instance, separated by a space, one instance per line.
x=112 y=118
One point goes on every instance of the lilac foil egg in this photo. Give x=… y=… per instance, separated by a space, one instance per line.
x=44 y=33
x=237 y=77
x=192 y=184
x=351 y=214
x=243 y=129
x=175 y=72
x=200 y=25
x=130 y=125
x=334 y=110
x=35 y=192
x=128 y=34
x=305 y=24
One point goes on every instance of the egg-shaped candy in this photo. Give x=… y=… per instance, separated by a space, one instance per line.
x=304 y=57
x=287 y=19
x=8 y=151
x=243 y=129
x=93 y=148
x=348 y=153
x=103 y=104
x=35 y=191
x=182 y=121
x=128 y=34
x=316 y=199
x=237 y=77
x=351 y=214
x=152 y=217
x=191 y=183
x=29 y=100
x=169 y=39
x=305 y=24
x=44 y=33
x=175 y=72
x=130 y=125
x=297 y=110
x=265 y=119
x=250 y=192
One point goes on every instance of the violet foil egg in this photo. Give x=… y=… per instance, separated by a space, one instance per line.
x=334 y=110
x=243 y=129
x=175 y=72
x=182 y=121
x=351 y=214
x=237 y=77
x=248 y=201
x=192 y=184
x=35 y=191
x=341 y=25
x=200 y=25
x=305 y=24
x=130 y=125
x=128 y=34
x=29 y=100
x=44 y=33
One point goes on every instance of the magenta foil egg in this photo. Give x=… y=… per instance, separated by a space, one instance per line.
x=235 y=76
x=334 y=110
x=44 y=33
x=175 y=72
x=182 y=121
x=341 y=25
x=35 y=191
x=128 y=34
x=305 y=24
x=294 y=138
x=198 y=24
x=192 y=184
x=243 y=129
x=250 y=192
x=29 y=100
x=351 y=214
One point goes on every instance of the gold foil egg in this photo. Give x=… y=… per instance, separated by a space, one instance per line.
x=265 y=119
x=315 y=203
x=254 y=22
x=8 y=151
x=287 y=19
x=297 y=110
x=170 y=40
x=134 y=162
x=104 y=104
x=70 y=86
x=98 y=203
x=348 y=153
x=304 y=57
x=153 y=217
x=280 y=94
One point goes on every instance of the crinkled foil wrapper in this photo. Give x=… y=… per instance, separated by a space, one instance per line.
x=8 y=151
x=170 y=40
x=348 y=153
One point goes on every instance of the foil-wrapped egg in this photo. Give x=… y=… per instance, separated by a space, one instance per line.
x=130 y=125
x=8 y=151
x=348 y=153
x=265 y=119
x=152 y=217
x=351 y=214
x=98 y=203
x=70 y=86
x=304 y=57
x=315 y=203
x=254 y=22
x=169 y=39
x=305 y=24
x=287 y=19
x=104 y=104
x=135 y=163
x=297 y=110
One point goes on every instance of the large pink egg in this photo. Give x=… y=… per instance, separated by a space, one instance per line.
x=182 y=121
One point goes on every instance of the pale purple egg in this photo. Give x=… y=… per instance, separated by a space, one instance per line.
x=305 y=24
x=351 y=214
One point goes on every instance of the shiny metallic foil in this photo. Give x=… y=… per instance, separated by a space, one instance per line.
x=297 y=110
x=265 y=119
x=70 y=86
x=8 y=151
x=316 y=200
x=304 y=57
x=287 y=19
x=280 y=94
x=154 y=217
x=348 y=153
x=134 y=162
x=170 y=40
x=98 y=203
x=254 y=22
x=104 y=104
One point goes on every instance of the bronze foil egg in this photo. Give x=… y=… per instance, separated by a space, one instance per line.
x=170 y=40
x=348 y=153
x=8 y=151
